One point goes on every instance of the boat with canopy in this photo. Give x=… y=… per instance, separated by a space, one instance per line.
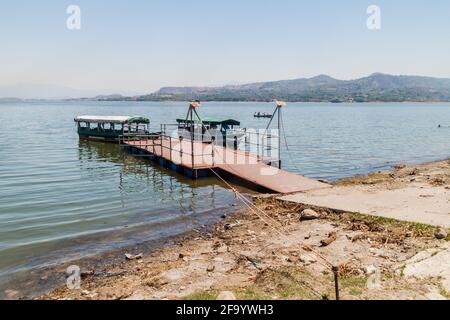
x=110 y=128
x=221 y=128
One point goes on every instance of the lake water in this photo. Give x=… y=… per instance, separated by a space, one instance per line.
x=61 y=198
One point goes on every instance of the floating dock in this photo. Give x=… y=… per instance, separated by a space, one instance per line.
x=197 y=159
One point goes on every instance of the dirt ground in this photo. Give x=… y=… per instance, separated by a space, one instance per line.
x=268 y=252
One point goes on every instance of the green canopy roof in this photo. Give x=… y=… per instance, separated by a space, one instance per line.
x=212 y=121
x=113 y=119
x=139 y=120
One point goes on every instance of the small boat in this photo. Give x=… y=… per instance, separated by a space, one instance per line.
x=222 y=129
x=110 y=128
x=262 y=115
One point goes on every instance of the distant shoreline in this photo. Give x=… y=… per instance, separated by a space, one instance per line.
x=17 y=100
x=377 y=87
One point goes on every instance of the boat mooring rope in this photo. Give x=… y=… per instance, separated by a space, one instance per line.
x=254 y=209
x=282 y=233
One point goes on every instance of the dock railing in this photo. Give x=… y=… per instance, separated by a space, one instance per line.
x=175 y=144
x=170 y=147
x=261 y=142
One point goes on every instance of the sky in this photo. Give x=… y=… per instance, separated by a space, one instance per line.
x=138 y=46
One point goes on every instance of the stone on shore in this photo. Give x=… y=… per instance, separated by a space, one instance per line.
x=441 y=234
x=431 y=263
x=131 y=257
x=309 y=214
x=307 y=259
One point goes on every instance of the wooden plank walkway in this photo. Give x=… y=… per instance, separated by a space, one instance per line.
x=243 y=165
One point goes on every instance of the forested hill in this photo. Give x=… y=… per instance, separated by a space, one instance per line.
x=323 y=88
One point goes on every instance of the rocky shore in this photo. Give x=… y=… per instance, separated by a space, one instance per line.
x=280 y=249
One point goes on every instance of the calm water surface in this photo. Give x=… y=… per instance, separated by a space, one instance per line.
x=61 y=198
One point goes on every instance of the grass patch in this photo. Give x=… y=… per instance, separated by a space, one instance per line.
x=376 y=224
x=202 y=296
x=354 y=286
x=252 y=293
x=443 y=292
x=372 y=178
x=291 y=283
x=390 y=221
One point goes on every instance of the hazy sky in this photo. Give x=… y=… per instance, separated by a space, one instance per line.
x=139 y=46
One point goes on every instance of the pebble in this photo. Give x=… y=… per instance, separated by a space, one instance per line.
x=183 y=254
x=85 y=292
x=309 y=214
x=134 y=257
x=307 y=259
x=441 y=234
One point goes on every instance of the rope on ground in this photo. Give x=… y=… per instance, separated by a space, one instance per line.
x=281 y=233
x=246 y=202
x=250 y=205
x=244 y=199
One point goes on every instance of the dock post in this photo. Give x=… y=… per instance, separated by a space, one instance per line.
x=335 y=270
x=279 y=135
x=192 y=139
x=263 y=146
x=235 y=143
x=212 y=149
x=170 y=147
x=181 y=149
x=162 y=140
x=257 y=143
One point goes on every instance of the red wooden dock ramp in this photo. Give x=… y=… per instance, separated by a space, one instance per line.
x=245 y=166
x=271 y=178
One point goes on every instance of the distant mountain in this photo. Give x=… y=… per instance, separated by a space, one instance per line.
x=54 y=92
x=43 y=91
x=111 y=97
x=322 y=88
x=10 y=100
